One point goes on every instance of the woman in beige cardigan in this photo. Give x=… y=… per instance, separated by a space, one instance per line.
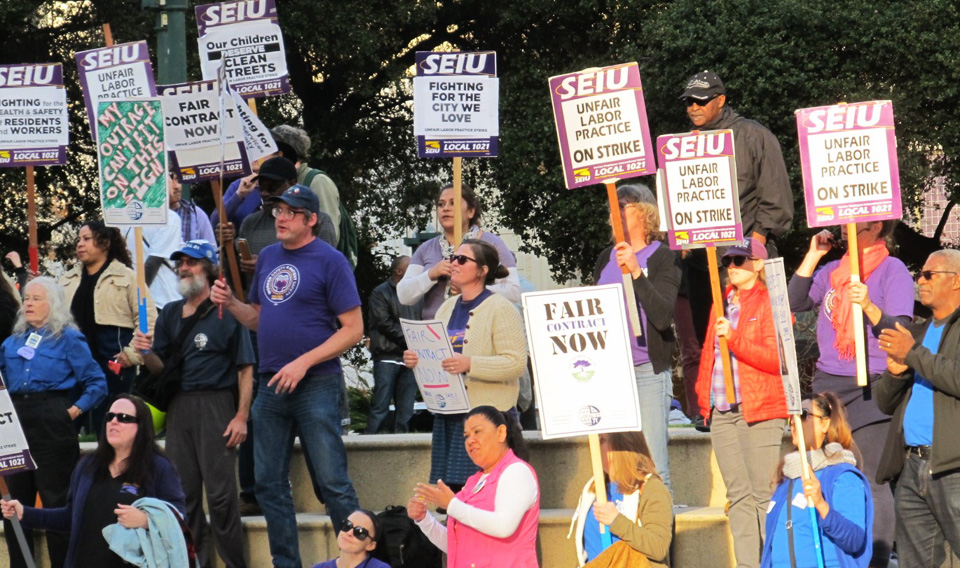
x=486 y=332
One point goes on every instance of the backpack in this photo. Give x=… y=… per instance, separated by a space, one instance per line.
x=349 y=243
x=402 y=542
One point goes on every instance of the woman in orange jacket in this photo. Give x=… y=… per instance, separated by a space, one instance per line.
x=746 y=428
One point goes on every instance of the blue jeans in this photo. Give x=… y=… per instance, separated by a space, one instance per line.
x=313 y=410
x=655 y=391
x=391 y=381
x=928 y=513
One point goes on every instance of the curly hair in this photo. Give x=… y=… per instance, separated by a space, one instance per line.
x=109 y=239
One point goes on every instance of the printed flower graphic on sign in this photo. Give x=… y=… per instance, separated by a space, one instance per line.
x=582 y=369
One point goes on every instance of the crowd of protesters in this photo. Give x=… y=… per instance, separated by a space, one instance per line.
x=253 y=373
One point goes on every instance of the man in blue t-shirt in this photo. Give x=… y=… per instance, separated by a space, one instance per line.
x=921 y=388
x=302 y=288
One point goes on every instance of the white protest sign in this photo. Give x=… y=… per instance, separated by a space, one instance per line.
x=783 y=322
x=14 y=452
x=118 y=72
x=582 y=360
x=256 y=138
x=34 y=124
x=443 y=392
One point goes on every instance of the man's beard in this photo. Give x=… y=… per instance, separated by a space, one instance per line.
x=190 y=286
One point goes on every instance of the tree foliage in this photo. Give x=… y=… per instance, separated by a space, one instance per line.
x=351 y=66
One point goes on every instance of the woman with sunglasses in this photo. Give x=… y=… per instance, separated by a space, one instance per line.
x=656 y=282
x=52 y=379
x=840 y=494
x=746 y=426
x=486 y=333
x=886 y=294
x=429 y=275
x=126 y=466
x=493 y=520
x=357 y=540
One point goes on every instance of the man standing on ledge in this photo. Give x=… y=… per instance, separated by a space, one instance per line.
x=301 y=289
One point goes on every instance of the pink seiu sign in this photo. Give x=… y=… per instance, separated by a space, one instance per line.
x=701 y=199
x=602 y=125
x=848 y=153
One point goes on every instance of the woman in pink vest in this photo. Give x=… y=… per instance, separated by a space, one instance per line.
x=493 y=520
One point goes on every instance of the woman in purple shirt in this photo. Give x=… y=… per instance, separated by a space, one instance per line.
x=886 y=294
x=428 y=276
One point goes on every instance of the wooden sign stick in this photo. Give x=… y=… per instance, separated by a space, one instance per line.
x=802 y=448
x=619 y=237
x=32 y=250
x=599 y=485
x=230 y=252
x=17 y=529
x=853 y=249
x=718 y=313
x=457 y=201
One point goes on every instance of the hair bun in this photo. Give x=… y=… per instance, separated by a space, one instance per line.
x=501 y=271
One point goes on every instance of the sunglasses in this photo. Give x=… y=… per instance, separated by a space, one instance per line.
x=735 y=260
x=462 y=259
x=928 y=274
x=121 y=417
x=690 y=101
x=359 y=532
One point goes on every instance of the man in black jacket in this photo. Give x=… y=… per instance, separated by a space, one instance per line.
x=392 y=380
x=921 y=389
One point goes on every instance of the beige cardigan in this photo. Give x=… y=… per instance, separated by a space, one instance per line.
x=497 y=348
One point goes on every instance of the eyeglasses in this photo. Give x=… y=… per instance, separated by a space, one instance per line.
x=187 y=261
x=121 y=417
x=462 y=259
x=928 y=274
x=805 y=413
x=735 y=260
x=287 y=214
x=360 y=533
x=690 y=101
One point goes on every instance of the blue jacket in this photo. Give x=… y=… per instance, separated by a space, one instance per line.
x=164 y=485
x=852 y=542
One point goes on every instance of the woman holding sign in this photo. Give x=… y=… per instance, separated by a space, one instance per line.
x=886 y=294
x=839 y=491
x=429 y=275
x=656 y=281
x=746 y=426
x=490 y=349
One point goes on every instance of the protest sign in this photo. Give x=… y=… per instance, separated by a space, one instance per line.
x=257 y=140
x=34 y=125
x=443 y=392
x=14 y=452
x=601 y=124
x=456 y=100
x=582 y=361
x=245 y=36
x=848 y=155
x=191 y=115
x=776 y=278
x=702 y=203
x=112 y=73
x=132 y=160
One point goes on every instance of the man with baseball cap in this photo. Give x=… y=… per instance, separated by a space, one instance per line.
x=305 y=308
x=207 y=418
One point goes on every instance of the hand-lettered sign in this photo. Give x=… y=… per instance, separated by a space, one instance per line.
x=114 y=73
x=443 y=392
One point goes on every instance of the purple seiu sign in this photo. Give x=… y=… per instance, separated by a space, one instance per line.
x=456 y=100
x=701 y=199
x=118 y=72
x=245 y=37
x=14 y=451
x=34 y=123
x=602 y=125
x=848 y=154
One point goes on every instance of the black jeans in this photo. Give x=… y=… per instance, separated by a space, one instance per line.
x=928 y=514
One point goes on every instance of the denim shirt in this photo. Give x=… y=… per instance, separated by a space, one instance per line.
x=59 y=364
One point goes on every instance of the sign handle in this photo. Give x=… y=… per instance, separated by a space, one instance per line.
x=17 y=529
x=230 y=253
x=618 y=235
x=718 y=313
x=457 y=201
x=599 y=487
x=853 y=249
x=798 y=428
x=32 y=221
x=141 y=281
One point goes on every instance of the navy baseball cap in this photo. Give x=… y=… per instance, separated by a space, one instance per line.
x=703 y=86
x=299 y=196
x=197 y=249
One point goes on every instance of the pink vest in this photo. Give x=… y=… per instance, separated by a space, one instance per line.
x=470 y=548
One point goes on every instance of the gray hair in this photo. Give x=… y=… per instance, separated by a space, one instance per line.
x=950 y=257
x=60 y=317
x=297 y=138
